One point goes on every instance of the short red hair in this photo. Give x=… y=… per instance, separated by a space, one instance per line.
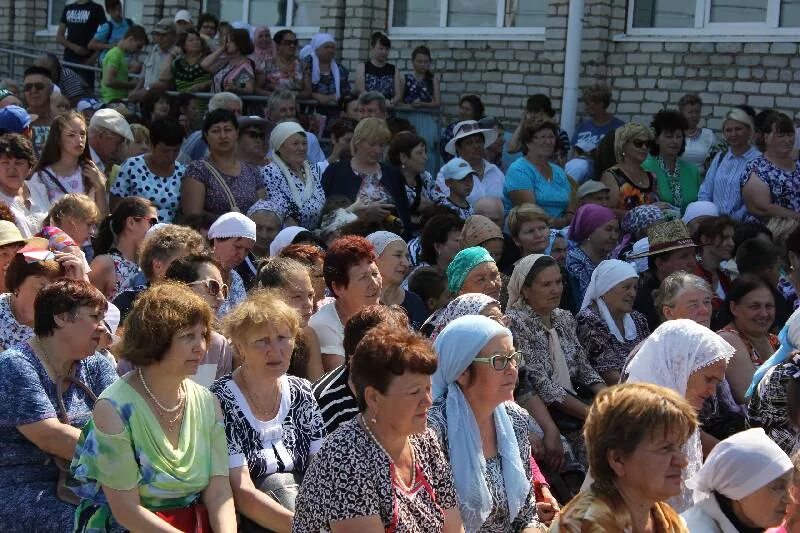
x=344 y=253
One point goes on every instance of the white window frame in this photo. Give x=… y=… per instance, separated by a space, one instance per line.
x=705 y=30
x=302 y=32
x=444 y=33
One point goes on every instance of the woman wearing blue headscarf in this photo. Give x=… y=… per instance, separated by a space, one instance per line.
x=483 y=432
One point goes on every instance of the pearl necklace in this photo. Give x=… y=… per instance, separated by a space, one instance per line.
x=397 y=477
x=163 y=412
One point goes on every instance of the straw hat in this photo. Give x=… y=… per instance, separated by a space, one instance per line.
x=666 y=236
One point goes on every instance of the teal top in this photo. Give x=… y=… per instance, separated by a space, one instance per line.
x=679 y=192
x=142 y=457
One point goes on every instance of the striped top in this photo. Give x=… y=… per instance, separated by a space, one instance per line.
x=723 y=180
x=335 y=399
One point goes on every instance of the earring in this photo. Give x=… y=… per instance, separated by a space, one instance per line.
x=373 y=420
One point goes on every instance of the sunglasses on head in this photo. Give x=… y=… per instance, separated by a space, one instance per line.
x=213 y=287
x=152 y=220
x=501 y=361
x=39 y=86
x=469 y=127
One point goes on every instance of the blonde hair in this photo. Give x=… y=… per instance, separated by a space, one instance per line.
x=260 y=309
x=623 y=416
x=523 y=213
x=141 y=133
x=73 y=205
x=739 y=115
x=625 y=134
x=371 y=130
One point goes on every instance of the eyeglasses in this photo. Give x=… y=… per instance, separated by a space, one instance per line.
x=152 y=220
x=213 y=287
x=289 y=42
x=500 y=361
x=640 y=143
x=28 y=87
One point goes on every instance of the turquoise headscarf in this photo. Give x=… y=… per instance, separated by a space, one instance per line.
x=463 y=263
x=456 y=346
x=790 y=341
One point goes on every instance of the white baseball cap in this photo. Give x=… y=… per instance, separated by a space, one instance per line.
x=183 y=15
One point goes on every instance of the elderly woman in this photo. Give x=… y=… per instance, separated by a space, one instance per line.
x=557 y=368
x=272 y=421
x=50 y=384
x=775 y=191
x=232 y=237
x=678 y=181
x=699 y=141
x=634 y=434
x=481 y=231
x=690 y=359
x=263 y=54
x=629 y=185
x=294 y=185
x=154 y=452
x=595 y=230
x=231 y=69
x=469 y=143
x=608 y=327
x=269 y=222
x=483 y=432
x=355 y=281
x=377 y=190
x=220 y=183
x=684 y=295
x=393 y=265
x=474 y=270
x=722 y=183
x=384 y=469
x=471 y=303
x=28 y=201
x=535 y=179
x=529 y=226
x=290 y=280
x=324 y=79
x=744 y=485
x=750 y=306
x=773 y=390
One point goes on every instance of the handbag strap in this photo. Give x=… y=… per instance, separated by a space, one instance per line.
x=56 y=181
x=63 y=417
x=223 y=184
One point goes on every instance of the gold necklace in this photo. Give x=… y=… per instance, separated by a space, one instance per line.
x=251 y=398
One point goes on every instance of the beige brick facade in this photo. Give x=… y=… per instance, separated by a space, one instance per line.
x=645 y=75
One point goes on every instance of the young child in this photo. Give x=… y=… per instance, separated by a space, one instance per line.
x=110 y=32
x=115 y=83
x=458 y=176
x=431 y=286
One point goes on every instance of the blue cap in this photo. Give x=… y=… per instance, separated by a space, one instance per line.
x=14 y=119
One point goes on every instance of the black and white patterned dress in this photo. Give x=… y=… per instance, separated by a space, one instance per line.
x=498 y=520
x=280 y=195
x=284 y=444
x=352 y=477
x=136 y=179
x=11 y=331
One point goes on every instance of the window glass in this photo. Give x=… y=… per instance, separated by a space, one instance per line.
x=790 y=13
x=738 y=11
x=664 y=14
x=266 y=12
x=525 y=13
x=416 y=13
x=472 y=13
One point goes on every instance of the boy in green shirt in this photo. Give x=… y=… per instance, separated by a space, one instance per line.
x=115 y=83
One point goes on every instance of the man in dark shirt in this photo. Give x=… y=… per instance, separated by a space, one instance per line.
x=78 y=24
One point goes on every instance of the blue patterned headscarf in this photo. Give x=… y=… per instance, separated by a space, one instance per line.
x=790 y=341
x=456 y=346
x=463 y=263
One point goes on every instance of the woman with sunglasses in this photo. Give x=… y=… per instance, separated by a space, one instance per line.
x=232 y=237
x=483 y=433
x=628 y=183
x=285 y=71
x=117 y=245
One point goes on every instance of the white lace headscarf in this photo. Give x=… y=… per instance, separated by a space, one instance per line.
x=668 y=357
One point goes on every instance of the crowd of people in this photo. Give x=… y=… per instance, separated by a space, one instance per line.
x=220 y=316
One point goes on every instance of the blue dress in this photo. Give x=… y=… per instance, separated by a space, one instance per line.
x=27 y=475
x=552 y=196
x=417 y=90
x=784 y=187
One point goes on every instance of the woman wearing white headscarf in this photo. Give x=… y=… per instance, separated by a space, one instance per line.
x=690 y=359
x=294 y=184
x=608 y=327
x=324 y=80
x=394 y=264
x=742 y=487
x=284 y=238
x=483 y=432
x=471 y=303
